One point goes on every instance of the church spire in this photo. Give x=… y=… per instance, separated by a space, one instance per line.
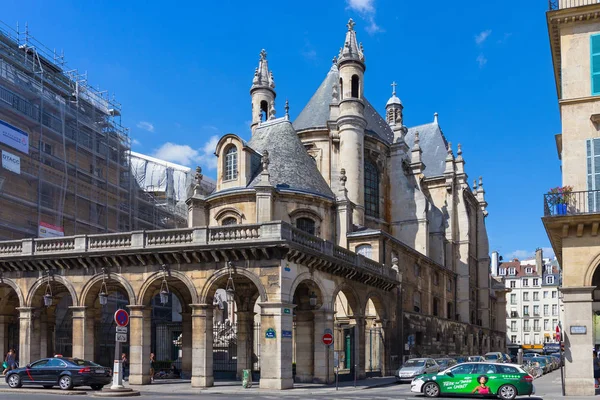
x=262 y=92
x=351 y=50
x=262 y=76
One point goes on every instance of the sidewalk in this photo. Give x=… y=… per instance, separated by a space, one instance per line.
x=549 y=387
x=235 y=387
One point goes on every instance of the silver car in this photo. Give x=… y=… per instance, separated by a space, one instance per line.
x=415 y=367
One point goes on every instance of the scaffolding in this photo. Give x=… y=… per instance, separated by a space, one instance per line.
x=75 y=173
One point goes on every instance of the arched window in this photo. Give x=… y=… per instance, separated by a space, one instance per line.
x=417 y=301
x=341 y=89
x=364 y=250
x=355 y=86
x=264 y=110
x=371 y=189
x=306 y=224
x=231 y=163
x=229 y=221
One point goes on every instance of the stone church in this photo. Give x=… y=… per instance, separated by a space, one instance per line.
x=343 y=222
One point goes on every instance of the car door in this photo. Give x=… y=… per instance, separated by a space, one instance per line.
x=429 y=367
x=35 y=372
x=457 y=379
x=489 y=373
x=53 y=369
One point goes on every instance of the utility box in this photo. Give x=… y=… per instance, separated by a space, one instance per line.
x=246 y=378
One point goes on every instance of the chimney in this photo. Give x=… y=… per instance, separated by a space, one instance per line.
x=539 y=260
x=494 y=263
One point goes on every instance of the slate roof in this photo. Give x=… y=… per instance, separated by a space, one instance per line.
x=316 y=112
x=434 y=146
x=290 y=166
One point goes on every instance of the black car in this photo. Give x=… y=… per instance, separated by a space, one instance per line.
x=63 y=372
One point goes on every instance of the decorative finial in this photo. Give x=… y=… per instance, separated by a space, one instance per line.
x=350 y=24
x=287 y=108
x=343 y=177
x=360 y=46
x=198 y=175
x=265 y=160
x=480 y=182
x=416 y=138
x=263 y=54
x=459 y=151
x=435 y=118
x=272 y=111
x=334 y=61
x=335 y=92
x=449 y=148
x=475 y=185
x=394 y=84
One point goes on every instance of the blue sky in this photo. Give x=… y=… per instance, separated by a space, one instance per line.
x=183 y=70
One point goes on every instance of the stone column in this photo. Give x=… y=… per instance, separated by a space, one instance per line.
x=4 y=321
x=276 y=350
x=140 y=325
x=45 y=348
x=579 y=372
x=305 y=346
x=245 y=338
x=28 y=347
x=323 y=370
x=83 y=332
x=202 y=345
x=359 y=347
x=50 y=329
x=186 y=344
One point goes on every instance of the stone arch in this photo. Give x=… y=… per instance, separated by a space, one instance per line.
x=145 y=294
x=9 y=282
x=593 y=266
x=377 y=302
x=229 y=212
x=353 y=299
x=307 y=276
x=112 y=276
x=210 y=288
x=53 y=278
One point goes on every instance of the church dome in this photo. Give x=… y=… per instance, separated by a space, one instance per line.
x=394 y=100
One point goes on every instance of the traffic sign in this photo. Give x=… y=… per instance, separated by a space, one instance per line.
x=121 y=318
x=121 y=329
x=327 y=339
x=121 y=337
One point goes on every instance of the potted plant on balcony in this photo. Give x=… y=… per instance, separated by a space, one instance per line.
x=558 y=199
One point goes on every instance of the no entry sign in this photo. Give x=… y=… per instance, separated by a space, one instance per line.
x=121 y=318
x=327 y=339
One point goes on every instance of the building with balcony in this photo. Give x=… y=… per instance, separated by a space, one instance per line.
x=532 y=301
x=572 y=213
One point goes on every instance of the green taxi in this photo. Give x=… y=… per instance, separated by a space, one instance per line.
x=506 y=381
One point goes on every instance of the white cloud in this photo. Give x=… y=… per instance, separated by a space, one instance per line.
x=186 y=155
x=135 y=142
x=145 y=125
x=520 y=254
x=481 y=60
x=505 y=38
x=548 y=252
x=482 y=36
x=366 y=9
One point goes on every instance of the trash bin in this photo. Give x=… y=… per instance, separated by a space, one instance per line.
x=247 y=379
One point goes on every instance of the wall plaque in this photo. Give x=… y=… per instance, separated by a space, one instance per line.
x=578 y=329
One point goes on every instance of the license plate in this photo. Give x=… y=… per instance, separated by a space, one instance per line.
x=100 y=371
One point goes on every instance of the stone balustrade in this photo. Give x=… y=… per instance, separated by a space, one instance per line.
x=265 y=233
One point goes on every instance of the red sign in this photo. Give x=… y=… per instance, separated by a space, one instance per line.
x=327 y=339
x=557 y=333
x=121 y=318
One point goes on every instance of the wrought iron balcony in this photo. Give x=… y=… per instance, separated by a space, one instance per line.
x=572 y=203
x=561 y=4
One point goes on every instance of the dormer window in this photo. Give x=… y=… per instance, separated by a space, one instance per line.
x=548 y=269
x=231 y=163
x=306 y=224
x=512 y=271
x=528 y=270
x=502 y=271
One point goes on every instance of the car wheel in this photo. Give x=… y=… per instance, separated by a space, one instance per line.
x=507 y=392
x=48 y=386
x=14 y=381
x=65 y=382
x=431 y=389
x=97 y=387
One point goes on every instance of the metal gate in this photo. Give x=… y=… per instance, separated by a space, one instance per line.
x=374 y=351
x=225 y=349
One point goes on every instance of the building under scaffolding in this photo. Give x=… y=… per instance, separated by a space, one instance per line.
x=66 y=162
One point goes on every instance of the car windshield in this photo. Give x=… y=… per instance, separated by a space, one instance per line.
x=442 y=362
x=539 y=359
x=414 y=363
x=83 y=363
x=491 y=356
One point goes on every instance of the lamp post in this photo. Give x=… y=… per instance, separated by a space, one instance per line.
x=230 y=287
x=103 y=296
x=312 y=299
x=164 y=286
x=48 y=298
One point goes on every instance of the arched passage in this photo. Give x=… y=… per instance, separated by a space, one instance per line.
x=47 y=324
x=98 y=319
x=375 y=343
x=349 y=330
x=234 y=322
x=10 y=299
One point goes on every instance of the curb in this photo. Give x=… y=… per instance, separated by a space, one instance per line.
x=46 y=391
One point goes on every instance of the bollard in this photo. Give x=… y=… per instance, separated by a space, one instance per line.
x=246 y=379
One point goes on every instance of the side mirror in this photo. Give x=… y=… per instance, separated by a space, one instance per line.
x=28 y=366
x=449 y=373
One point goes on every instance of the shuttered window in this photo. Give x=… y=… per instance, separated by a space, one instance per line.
x=593 y=174
x=595 y=63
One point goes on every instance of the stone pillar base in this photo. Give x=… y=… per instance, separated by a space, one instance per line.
x=203 y=381
x=139 y=379
x=277 y=384
x=580 y=387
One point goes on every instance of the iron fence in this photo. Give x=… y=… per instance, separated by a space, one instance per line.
x=572 y=203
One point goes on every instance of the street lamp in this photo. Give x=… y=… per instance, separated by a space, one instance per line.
x=164 y=287
x=230 y=287
x=48 y=295
x=312 y=299
x=103 y=296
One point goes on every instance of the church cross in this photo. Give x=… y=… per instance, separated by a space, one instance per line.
x=394 y=84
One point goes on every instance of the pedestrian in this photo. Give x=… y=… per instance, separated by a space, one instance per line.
x=152 y=365
x=596 y=371
x=125 y=363
x=10 y=361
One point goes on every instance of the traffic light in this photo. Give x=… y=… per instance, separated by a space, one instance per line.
x=562 y=346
